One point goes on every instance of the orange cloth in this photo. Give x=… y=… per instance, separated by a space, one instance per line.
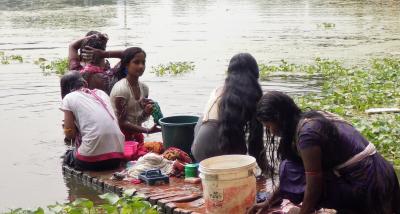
x=173 y=153
x=156 y=147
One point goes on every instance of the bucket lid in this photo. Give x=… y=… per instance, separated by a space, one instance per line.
x=226 y=164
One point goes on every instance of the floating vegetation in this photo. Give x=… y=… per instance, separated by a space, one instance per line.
x=173 y=68
x=113 y=205
x=65 y=18
x=7 y=59
x=326 y=25
x=58 y=66
x=349 y=92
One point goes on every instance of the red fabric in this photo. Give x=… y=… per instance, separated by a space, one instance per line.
x=136 y=181
x=173 y=153
x=102 y=157
x=138 y=137
x=89 y=68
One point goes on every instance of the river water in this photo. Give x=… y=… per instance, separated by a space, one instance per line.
x=205 y=32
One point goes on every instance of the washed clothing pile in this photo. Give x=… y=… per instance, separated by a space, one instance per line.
x=171 y=163
x=151 y=161
x=173 y=153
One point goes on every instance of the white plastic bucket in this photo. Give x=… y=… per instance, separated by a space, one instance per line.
x=229 y=183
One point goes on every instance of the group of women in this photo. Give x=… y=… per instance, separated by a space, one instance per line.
x=324 y=162
x=103 y=106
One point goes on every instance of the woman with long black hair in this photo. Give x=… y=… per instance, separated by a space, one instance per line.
x=230 y=114
x=324 y=161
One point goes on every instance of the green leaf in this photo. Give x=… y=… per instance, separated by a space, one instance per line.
x=83 y=202
x=39 y=210
x=130 y=192
x=111 y=198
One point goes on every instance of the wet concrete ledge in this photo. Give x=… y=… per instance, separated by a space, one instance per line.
x=177 y=197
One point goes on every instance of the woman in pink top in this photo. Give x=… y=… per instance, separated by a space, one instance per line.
x=87 y=55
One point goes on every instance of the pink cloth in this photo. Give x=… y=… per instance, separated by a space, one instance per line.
x=91 y=69
x=134 y=150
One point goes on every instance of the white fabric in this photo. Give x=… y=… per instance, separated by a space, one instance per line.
x=151 y=161
x=134 y=110
x=368 y=151
x=211 y=109
x=100 y=133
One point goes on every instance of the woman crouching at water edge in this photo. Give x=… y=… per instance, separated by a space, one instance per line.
x=325 y=161
x=230 y=113
x=90 y=120
x=129 y=97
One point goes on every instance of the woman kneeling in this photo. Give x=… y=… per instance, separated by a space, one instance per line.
x=325 y=161
x=90 y=120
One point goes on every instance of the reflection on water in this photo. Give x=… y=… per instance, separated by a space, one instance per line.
x=205 y=32
x=77 y=189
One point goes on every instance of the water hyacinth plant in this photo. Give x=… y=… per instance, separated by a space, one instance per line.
x=348 y=92
x=7 y=59
x=113 y=205
x=173 y=68
x=58 y=66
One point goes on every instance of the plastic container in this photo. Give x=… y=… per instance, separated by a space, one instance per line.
x=229 y=183
x=178 y=131
x=156 y=113
x=130 y=149
x=191 y=170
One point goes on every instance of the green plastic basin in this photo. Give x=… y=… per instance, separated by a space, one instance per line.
x=178 y=131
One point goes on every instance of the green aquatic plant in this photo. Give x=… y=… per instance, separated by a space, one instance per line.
x=326 y=25
x=113 y=204
x=58 y=66
x=173 y=68
x=348 y=92
x=7 y=59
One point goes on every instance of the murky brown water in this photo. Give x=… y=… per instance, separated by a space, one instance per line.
x=205 y=32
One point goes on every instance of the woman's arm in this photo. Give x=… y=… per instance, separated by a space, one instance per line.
x=70 y=130
x=311 y=157
x=101 y=53
x=121 y=111
x=73 y=48
x=262 y=207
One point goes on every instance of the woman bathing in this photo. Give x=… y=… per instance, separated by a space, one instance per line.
x=88 y=54
x=325 y=161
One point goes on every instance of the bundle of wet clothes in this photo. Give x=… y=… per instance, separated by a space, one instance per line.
x=151 y=155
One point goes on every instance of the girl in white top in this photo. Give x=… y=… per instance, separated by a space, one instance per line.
x=88 y=116
x=129 y=97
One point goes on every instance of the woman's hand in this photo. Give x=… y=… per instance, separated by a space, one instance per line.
x=154 y=129
x=258 y=208
x=88 y=53
x=148 y=109
x=147 y=105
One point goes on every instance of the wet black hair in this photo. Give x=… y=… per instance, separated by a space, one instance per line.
x=127 y=56
x=92 y=32
x=280 y=109
x=71 y=81
x=236 y=113
x=99 y=42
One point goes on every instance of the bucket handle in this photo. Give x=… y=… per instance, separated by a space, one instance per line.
x=250 y=172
